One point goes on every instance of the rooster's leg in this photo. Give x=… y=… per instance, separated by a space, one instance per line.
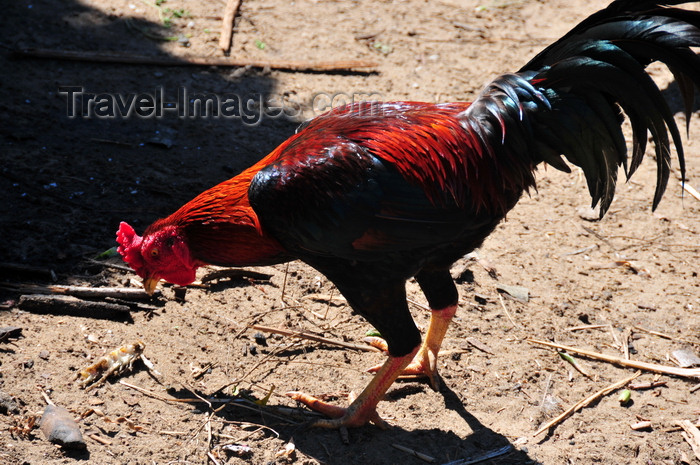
x=363 y=409
x=425 y=362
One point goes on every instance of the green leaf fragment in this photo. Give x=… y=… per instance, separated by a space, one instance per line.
x=625 y=396
x=109 y=253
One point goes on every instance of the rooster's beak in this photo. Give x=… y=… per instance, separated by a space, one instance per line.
x=149 y=284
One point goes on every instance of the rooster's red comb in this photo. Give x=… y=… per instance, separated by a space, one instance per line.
x=130 y=246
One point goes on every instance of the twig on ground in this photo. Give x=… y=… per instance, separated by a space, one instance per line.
x=212 y=458
x=476 y=343
x=505 y=309
x=546 y=389
x=599 y=237
x=284 y=282
x=585 y=402
x=46 y=397
x=242 y=403
x=82 y=292
x=313 y=337
x=581 y=328
x=112 y=266
x=649 y=385
x=267 y=358
x=418 y=304
x=100 y=439
x=574 y=363
x=227 y=24
x=691 y=190
x=641 y=425
x=626 y=343
x=665 y=336
x=366 y=66
x=583 y=250
x=67 y=305
x=482 y=458
x=692 y=435
x=208 y=428
x=653 y=367
x=616 y=340
x=158 y=396
x=236 y=273
x=423 y=457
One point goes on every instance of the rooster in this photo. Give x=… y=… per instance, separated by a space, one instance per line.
x=372 y=194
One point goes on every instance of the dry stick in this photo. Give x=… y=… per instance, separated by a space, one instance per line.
x=83 y=292
x=267 y=358
x=546 y=389
x=212 y=458
x=208 y=425
x=616 y=341
x=626 y=344
x=236 y=273
x=505 y=309
x=665 y=336
x=585 y=402
x=154 y=395
x=157 y=396
x=599 y=237
x=46 y=397
x=653 y=367
x=67 y=305
x=312 y=337
x=227 y=24
x=132 y=59
x=419 y=305
x=284 y=283
x=415 y=453
x=580 y=328
x=580 y=251
x=328 y=305
x=574 y=363
x=641 y=425
x=691 y=190
x=101 y=440
x=649 y=385
x=691 y=435
x=484 y=457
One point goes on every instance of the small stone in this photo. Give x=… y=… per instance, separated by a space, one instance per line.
x=588 y=213
x=8 y=404
x=58 y=426
x=260 y=339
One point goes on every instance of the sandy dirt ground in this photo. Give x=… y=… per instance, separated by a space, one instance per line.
x=68 y=182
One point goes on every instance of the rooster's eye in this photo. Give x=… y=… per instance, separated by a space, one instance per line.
x=154 y=253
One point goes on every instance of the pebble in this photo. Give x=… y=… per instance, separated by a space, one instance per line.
x=8 y=404
x=58 y=426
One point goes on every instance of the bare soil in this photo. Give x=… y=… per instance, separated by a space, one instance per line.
x=68 y=182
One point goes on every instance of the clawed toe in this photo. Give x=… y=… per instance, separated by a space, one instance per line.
x=353 y=416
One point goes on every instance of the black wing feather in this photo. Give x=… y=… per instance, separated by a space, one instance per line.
x=349 y=204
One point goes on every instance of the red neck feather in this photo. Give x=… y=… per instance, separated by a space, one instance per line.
x=221 y=228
